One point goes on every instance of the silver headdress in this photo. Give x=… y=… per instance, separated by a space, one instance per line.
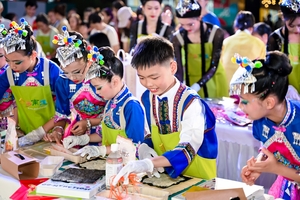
x=243 y=75
x=97 y=68
x=70 y=46
x=14 y=36
x=290 y=6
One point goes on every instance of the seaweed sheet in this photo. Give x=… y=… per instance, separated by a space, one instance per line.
x=73 y=175
x=165 y=181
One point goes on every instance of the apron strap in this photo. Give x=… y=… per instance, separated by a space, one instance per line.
x=212 y=34
x=10 y=77
x=163 y=30
x=179 y=37
x=180 y=109
x=122 y=116
x=46 y=72
x=140 y=26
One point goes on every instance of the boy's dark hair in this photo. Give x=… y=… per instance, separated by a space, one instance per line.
x=152 y=51
x=31 y=3
x=244 y=20
x=95 y=18
x=42 y=17
x=262 y=28
x=99 y=40
x=30 y=43
x=61 y=9
x=272 y=78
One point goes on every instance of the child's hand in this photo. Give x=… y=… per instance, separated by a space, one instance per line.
x=269 y=165
x=79 y=128
x=249 y=176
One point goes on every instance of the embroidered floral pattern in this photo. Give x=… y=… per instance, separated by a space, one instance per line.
x=88 y=108
x=284 y=161
x=163 y=110
x=187 y=150
x=7 y=97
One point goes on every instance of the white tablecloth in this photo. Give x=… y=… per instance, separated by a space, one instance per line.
x=236 y=146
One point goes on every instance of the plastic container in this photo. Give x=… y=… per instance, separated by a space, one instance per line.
x=50 y=165
x=114 y=163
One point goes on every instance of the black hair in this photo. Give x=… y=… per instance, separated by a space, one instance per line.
x=95 y=18
x=83 y=45
x=111 y=64
x=30 y=43
x=143 y=2
x=287 y=16
x=31 y=3
x=139 y=11
x=152 y=51
x=118 y=4
x=42 y=17
x=108 y=12
x=10 y=16
x=99 y=40
x=244 y=20
x=262 y=28
x=272 y=77
x=60 y=9
x=84 y=24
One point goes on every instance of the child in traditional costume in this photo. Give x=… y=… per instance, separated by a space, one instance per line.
x=77 y=101
x=31 y=79
x=182 y=125
x=123 y=114
x=262 y=87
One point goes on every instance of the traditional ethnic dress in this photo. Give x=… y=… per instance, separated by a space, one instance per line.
x=284 y=142
x=7 y=102
x=123 y=116
x=33 y=93
x=139 y=29
x=276 y=42
x=81 y=99
x=190 y=145
x=212 y=77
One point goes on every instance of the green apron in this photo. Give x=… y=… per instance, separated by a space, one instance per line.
x=217 y=86
x=35 y=104
x=199 y=167
x=45 y=43
x=294 y=51
x=109 y=135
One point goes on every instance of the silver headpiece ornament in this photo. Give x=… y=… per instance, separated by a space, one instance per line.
x=293 y=5
x=69 y=47
x=97 y=68
x=14 y=36
x=243 y=75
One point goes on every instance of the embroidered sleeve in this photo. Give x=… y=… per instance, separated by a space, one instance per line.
x=135 y=121
x=62 y=103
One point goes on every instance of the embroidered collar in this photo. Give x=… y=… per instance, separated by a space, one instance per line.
x=289 y=116
x=121 y=95
x=172 y=91
x=35 y=68
x=246 y=31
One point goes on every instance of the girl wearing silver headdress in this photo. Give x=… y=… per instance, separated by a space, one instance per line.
x=197 y=48
x=123 y=114
x=262 y=87
x=77 y=102
x=152 y=23
x=31 y=79
x=287 y=38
